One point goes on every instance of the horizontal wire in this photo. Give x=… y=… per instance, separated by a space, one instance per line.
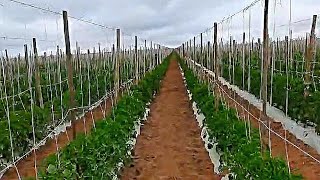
x=22 y=38
x=59 y=13
x=72 y=17
x=51 y=134
x=301 y=150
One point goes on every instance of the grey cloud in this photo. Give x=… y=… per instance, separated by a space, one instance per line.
x=169 y=22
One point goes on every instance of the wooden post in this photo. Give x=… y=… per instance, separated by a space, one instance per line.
x=230 y=59
x=265 y=58
x=7 y=66
x=259 y=48
x=26 y=56
x=309 y=56
x=190 y=45
x=77 y=60
x=201 y=50
x=99 y=64
x=37 y=73
x=187 y=48
x=194 y=49
x=243 y=58
x=136 y=58
x=183 y=50
x=287 y=71
x=208 y=56
x=217 y=66
x=117 y=64
x=151 y=57
x=158 y=62
x=145 y=57
x=70 y=72
x=234 y=56
x=264 y=92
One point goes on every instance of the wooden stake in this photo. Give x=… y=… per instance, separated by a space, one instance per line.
x=145 y=57
x=37 y=73
x=69 y=72
x=243 y=58
x=264 y=92
x=287 y=70
x=183 y=50
x=208 y=63
x=194 y=49
x=265 y=57
x=201 y=50
x=26 y=56
x=117 y=64
x=190 y=49
x=151 y=56
x=216 y=66
x=136 y=58
x=309 y=56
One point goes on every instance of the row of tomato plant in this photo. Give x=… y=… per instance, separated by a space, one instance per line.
x=239 y=154
x=98 y=81
x=98 y=154
x=301 y=109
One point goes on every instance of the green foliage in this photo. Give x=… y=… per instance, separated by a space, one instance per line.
x=98 y=154
x=300 y=108
x=239 y=154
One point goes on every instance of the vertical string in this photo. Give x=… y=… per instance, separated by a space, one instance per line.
x=249 y=59
x=287 y=89
x=52 y=113
x=9 y=122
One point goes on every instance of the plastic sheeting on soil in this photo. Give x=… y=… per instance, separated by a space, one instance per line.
x=307 y=134
x=61 y=128
x=132 y=142
x=210 y=145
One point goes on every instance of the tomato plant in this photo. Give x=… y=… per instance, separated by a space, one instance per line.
x=99 y=153
x=239 y=154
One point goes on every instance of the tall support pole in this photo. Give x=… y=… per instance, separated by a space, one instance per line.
x=37 y=73
x=265 y=57
x=243 y=59
x=201 y=50
x=151 y=57
x=183 y=50
x=70 y=72
x=187 y=48
x=159 y=51
x=136 y=58
x=208 y=61
x=216 y=64
x=26 y=55
x=190 y=51
x=145 y=57
x=309 y=56
x=286 y=55
x=230 y=59
x=265 y=64
x=194 y=49
x=117 y=64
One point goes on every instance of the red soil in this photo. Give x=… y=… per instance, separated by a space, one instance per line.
x=26 y=166
x=299 y=162
x=170 y=146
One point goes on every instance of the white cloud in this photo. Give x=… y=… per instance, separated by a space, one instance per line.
x=169 y=22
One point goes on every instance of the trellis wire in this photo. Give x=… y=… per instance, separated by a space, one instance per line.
x=250 y=114
x=55 y=75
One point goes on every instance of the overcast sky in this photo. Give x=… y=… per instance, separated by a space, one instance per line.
x=168 y=22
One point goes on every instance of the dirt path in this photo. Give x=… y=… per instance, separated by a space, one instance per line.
x=170 y=146
x=26 y=166
x=299 y=162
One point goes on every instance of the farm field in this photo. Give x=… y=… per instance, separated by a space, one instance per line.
x=143 y=90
